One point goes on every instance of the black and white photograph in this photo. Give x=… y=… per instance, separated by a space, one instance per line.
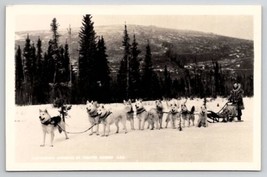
x=128 y=87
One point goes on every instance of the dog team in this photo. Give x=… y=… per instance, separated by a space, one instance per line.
x=178 y=117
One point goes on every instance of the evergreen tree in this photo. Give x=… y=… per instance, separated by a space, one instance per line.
x=134 y=71
x=50 y=62
x=102 y=72
x=19 y=77
x=66 y=63
x=148 y=75
x=123 y=74
x=87 y=53
x=27 y=68
x=55 y=36
x=34 y=75
x=167 y=83
x=41 y=81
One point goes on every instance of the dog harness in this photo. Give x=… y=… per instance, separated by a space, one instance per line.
x=93 y=114
x=105 y=115
x=53 y=121
x=131 y=111
x=173 y=112
x=139 y=111
x=47 y=122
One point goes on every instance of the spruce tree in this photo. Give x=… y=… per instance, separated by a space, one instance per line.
x=102 y=72
x=27 y=68
x=50 y=63
x=87 y=53
x=134 y=71
x=34 y=75
x=66 y=63
x=123 y=74
x=41 y=81
x=19 y=77
x=148 y=74
x=167 y=83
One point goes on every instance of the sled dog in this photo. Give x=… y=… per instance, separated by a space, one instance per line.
x=155 y=115
x=108 y=117
x=129 y=112
x=141 y=114
x=91 y=108
x=50 y=124
x=174 y=114
x=187 y=116
x=202 y=120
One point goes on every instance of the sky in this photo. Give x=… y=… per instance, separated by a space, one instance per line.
x=239 y=26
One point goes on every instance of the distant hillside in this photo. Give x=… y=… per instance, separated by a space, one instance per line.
x=169 y=46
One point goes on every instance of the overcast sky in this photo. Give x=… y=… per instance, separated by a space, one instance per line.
x=228 y=25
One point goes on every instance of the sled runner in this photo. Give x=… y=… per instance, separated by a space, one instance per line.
x=227 y=113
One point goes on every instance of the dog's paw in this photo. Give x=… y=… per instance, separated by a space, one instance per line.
x=97 y=134
x=51 y=145
x=102 y=135
x=126 y=132
x=106 y=135
x=42 y=145
x=90 y=134
x=180 y=129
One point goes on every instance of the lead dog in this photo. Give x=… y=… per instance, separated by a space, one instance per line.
x=174 y=114
x=108 y=117
x=50 y=124
x=91 y=108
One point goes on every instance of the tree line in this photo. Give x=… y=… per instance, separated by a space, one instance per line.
x=44 y=76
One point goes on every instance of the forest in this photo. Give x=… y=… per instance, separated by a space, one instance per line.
x=43 y=75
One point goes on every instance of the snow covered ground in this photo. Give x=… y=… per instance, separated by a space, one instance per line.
x=219 y=142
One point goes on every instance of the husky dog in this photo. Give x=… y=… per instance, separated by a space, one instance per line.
x=141 y=114
x=202 y=121
x=187 y=116
x=108 y=117
x=50 y=124
x=129 y=112
x=174 y=114
x=91 y=108
x=155 y=115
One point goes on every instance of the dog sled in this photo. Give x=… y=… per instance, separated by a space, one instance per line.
x=227 y=113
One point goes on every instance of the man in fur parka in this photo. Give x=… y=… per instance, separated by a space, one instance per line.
x=236 y=97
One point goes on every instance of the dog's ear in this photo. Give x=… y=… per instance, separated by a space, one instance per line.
x=124 y=101
x=102 y=106
x=92 y=101
x=40 y=110
x=87 y=102
x=45 y=110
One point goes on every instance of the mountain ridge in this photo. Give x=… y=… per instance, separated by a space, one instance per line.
x=167 y=45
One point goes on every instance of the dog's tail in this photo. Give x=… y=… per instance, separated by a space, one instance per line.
x=192 y=110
